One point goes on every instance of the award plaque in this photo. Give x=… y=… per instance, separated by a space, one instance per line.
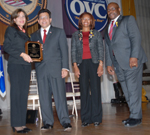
x=34 y=50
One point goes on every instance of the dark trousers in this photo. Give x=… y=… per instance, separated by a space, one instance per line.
x=91 y=107
x=19 y=79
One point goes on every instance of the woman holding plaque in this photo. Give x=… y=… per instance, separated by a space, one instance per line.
x=19 y=69
x=87 y=58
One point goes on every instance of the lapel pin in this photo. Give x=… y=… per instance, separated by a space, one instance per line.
x=116 y=24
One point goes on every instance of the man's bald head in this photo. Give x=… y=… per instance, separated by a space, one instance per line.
x=113 y=10
x=113 y=3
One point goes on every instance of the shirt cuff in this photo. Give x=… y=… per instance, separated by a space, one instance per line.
x=66 y=69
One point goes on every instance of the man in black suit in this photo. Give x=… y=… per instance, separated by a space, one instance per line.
x=52 y=70
x=125 y=53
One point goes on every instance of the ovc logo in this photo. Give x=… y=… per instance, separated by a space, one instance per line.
x=98 y=8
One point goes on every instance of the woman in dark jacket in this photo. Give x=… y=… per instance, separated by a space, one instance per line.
x=87 y=58
x=19 y=69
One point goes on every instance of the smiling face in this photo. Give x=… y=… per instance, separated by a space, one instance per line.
x=86 y=21
x=20 y=20
x=113 y=10
x=44 y=20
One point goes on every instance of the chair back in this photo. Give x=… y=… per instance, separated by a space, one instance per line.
x=33 y=88
x=74 y=83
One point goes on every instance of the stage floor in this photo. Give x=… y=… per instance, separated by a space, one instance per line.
x=113 y=114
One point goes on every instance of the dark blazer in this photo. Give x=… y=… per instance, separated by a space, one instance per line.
x=96 y=47
x=14 y=45
x=125 y=43
x=55 y=51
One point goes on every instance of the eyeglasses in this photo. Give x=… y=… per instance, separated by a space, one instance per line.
x=111 y=9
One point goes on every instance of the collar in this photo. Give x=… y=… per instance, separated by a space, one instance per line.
x=115 y=19
x=22 y=29
x=47 y=29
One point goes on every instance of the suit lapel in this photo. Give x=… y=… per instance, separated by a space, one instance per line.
x=39 y=36
x=91 y=39
x=23 y=35
x=116 y=25
x=47 y=37
x=79 y=38
x=49 y=33
x=107 y=35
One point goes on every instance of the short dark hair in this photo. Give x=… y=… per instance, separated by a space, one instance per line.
x=14 y=15
x=43 y=11
x=92 y=24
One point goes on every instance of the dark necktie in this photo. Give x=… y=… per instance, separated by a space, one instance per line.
x=44 y=37
x=111 y=30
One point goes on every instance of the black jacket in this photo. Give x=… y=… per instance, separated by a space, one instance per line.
x=14 y=45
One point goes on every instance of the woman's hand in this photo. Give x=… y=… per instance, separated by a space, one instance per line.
x=26 y=57
x=100 y=70
x=76 y=70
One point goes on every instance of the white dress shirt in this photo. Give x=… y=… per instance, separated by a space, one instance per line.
x=113 y=22
x=42 y=32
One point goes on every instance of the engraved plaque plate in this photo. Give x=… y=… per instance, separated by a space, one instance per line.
x=34 y=50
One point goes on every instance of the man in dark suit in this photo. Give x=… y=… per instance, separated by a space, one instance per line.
x=52 y=70
x=125 y=53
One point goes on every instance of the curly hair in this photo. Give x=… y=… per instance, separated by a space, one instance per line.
x=92 y=23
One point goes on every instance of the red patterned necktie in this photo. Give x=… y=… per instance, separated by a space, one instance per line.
x=44 y=37
x=111 y=30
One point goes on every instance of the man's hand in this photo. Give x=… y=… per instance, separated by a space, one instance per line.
x=100 y=70
x=26 y=57
x=133 y=62
x=64 y=73
x=41 y=45
x=110 y=70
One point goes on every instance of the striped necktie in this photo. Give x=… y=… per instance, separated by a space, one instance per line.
x=111 y=30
